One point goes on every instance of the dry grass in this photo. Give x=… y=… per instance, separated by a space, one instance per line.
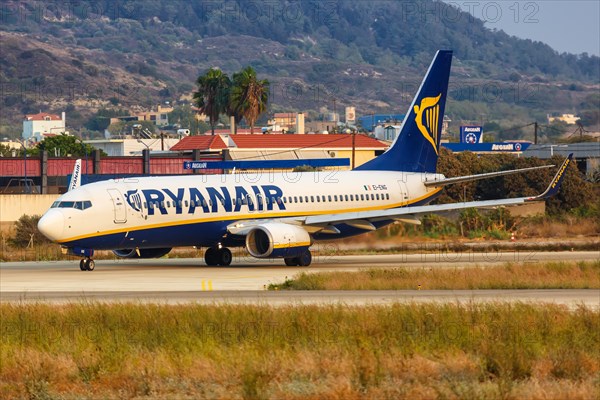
x=305 y=352
x=570 y=227
x=561 y=275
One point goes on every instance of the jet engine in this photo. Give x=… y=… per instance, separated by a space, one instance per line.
x=277 y=240
x=143 y=253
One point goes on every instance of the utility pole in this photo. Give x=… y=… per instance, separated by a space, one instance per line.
x=353 y=147
x=535 y=132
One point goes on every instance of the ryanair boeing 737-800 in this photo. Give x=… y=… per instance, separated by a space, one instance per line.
x=274 y=215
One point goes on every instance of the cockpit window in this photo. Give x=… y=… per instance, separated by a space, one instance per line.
x=79 y=205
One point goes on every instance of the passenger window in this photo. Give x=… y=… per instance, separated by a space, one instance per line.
x=329 y=197
x=351 y=197
x=295 y=199
x=318 y=199
x=323 y=199
x=387 y=196
x=335 y=198
x=312 y=199
x=346 y=197
x=377 y=196
x=300 y=199
x=284 y=200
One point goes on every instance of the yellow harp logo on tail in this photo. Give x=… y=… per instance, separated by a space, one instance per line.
x=427 y=118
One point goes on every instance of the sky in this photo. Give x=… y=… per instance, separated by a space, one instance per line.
x=571 y=26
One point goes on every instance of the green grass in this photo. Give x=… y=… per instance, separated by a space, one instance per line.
x=553 y=275
x=336 y=352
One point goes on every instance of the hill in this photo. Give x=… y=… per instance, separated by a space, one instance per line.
x=316 y=54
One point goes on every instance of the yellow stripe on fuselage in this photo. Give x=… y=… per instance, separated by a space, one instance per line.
x=258 y=215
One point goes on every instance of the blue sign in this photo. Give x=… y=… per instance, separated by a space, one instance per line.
x=265 y=164
x=471 y=134
x=487 y=147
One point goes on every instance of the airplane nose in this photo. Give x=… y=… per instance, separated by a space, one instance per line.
x=52 y=225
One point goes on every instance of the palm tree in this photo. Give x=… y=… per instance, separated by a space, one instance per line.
x=249 y=96
x=212 y=95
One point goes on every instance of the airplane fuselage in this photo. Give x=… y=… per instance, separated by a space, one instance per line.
x=195 y=210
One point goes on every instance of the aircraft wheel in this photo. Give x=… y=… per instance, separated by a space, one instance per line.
x=211 y=257
x=305 y=259
x=225 y=257
x=291 y=261
x=90 y=264
x=82 y=265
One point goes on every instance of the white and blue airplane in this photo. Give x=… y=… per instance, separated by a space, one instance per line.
x=274 y=215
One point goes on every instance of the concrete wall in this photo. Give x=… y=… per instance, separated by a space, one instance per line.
x=12 y=207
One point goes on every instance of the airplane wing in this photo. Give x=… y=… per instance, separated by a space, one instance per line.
x=413 y=212
x=469 y=178
x=364 y=219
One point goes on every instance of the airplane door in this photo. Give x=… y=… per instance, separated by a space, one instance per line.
x=119 y=206
x=403 y=191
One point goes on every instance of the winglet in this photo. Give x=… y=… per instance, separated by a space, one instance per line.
x=554 y=186
x=76 y=176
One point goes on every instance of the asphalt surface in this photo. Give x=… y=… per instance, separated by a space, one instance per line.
x=189 y=280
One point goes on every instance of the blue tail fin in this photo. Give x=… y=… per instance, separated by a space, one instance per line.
x=417 y=145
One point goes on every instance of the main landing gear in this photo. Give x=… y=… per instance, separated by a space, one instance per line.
x=218 y=256
x=303 y=260
x=87 y=264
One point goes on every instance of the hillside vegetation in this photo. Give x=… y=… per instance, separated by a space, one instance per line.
x=95 y=54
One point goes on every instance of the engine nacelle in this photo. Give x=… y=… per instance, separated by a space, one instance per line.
x=277 y=240
x=143 y=253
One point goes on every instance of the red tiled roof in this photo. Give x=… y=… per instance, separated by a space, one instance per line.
x=202 y=142
x=42 y=116
x=332 y=141
x=240 y=131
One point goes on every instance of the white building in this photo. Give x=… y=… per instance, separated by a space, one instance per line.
x=131 y=147
x=36 y=126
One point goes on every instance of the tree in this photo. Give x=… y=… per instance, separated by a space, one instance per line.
x=63 y=145
x=212 y=95
x=249 y=96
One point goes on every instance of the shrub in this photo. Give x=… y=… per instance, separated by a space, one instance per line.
x=26 y=231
